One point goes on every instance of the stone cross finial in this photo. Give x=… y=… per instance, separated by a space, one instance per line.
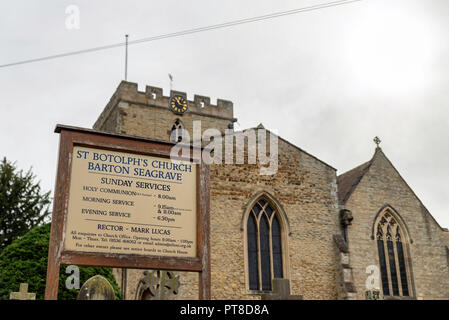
x=23 y=293
x=281 y=291
x=377 y=141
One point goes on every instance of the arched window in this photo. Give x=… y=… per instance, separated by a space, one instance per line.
x=176 y=131
x=392 y=249
x=264 y=245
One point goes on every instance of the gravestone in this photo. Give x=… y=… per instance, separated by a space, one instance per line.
x=157 y=285
x=23 y=293
x=96 y=288
x=281 y=291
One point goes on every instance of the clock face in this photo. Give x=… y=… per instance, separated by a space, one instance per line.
x=178 y=104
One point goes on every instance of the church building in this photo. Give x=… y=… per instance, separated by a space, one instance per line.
x=330 y=235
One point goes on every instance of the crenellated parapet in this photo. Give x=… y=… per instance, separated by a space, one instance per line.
x=200 y=104
x=153 y=98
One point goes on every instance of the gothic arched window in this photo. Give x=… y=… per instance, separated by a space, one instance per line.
x=264 y=246
x=392 y=249
x=176 y=131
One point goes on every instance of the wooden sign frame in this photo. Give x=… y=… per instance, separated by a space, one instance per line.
x=74 y=136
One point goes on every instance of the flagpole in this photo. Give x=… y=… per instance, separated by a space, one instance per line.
x=126 y=58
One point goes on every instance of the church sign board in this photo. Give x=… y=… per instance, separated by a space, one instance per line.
x=125 y=203
x=121 y=201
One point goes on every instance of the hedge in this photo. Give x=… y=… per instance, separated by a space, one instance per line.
x=25 y=260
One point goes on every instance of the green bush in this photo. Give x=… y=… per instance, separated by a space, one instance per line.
x=25 y=260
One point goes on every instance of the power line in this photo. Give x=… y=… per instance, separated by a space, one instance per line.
x=189 y=31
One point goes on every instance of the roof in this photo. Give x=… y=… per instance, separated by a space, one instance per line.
x=261 y=126
x=348 y=181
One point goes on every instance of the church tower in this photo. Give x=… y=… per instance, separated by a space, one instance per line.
x=150 y=114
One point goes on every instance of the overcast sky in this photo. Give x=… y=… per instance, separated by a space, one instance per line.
x=327 y=80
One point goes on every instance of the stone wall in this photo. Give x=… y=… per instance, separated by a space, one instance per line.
x=305 y=188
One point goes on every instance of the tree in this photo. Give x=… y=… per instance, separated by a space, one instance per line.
x=22 y=205
x=25 y=260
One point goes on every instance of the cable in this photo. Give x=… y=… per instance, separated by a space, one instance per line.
x=189 y=31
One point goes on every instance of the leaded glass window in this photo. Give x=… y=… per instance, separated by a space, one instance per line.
x=264 y=245
x=393 y=266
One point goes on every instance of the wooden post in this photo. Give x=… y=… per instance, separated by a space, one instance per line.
x=57 y=221
x=204 y=234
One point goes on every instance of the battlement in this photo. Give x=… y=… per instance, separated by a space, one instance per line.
x=155 y=96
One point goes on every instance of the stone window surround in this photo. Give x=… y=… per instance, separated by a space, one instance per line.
x=178 y=125
x=285 y=233
x=406 y=242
